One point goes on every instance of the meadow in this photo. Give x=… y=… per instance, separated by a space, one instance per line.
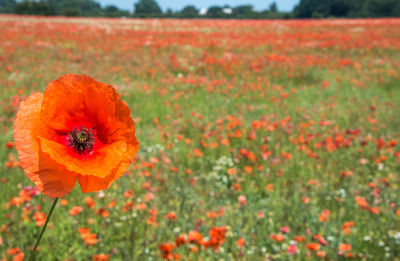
x=259 y=140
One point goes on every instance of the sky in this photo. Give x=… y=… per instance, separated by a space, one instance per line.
x=283 y=5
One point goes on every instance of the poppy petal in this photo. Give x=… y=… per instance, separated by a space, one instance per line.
x=54 y=179
x=93 y=183
x=25 y=126
x=39 y=168
x=101 y=163
x=90 y=103
x=84 y=98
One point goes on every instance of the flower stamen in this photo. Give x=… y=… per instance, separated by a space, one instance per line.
x=82 y=140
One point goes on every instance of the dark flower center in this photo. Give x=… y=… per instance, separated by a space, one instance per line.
x=81 y=140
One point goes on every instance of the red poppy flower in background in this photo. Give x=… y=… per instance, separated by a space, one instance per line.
x=79 y=129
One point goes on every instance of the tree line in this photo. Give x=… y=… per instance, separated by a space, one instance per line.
x=88 y=8
x=150 y=8
x=347 y=8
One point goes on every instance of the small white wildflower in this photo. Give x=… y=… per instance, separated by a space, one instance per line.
x=250 y=251
x=380 y=166
x=342 y=193
x=100 y=194
x=177 y=230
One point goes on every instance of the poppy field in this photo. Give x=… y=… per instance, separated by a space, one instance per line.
x=259 y=139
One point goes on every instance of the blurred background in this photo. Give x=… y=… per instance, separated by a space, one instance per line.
x=237 y=9
x=259 y=139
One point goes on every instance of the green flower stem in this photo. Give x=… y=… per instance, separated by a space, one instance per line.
x=33 y=254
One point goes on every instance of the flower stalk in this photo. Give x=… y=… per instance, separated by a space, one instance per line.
x=33 y=254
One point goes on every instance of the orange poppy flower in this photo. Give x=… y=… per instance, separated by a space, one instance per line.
x=40 y=218
x=347 y=226
x=321 y=254
x=103 y=212
x=75 y=210
x=101 y=257
x=166 y=251
x=300 y=239
x=240 y=242
x=89 y=238
x=171 y=216
x=277 y=237
x=195 y=237
x=344 y=247
x=90 y=202
x=180 y=240
x=217 y=237
x=313 y=246
x=79 y=129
